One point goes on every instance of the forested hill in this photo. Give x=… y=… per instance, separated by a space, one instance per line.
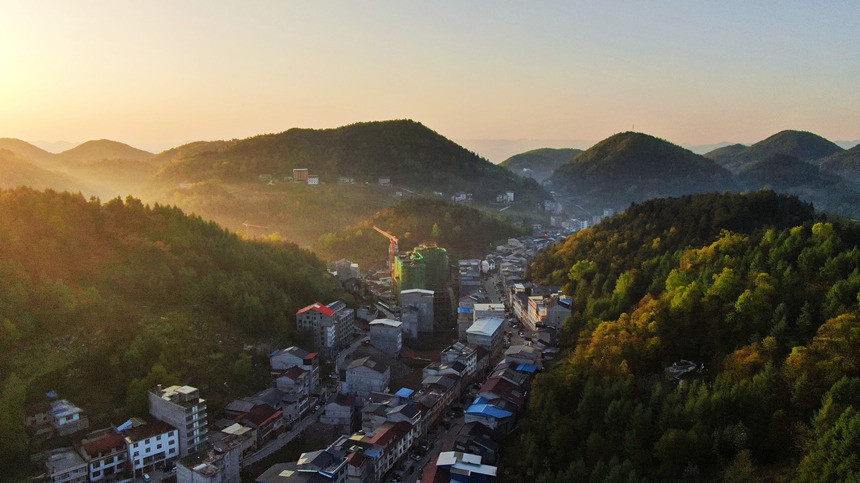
x=765 y=301
x=802 y=145
x=16 y=171
x=844 y=163
x=633 y=166
x=101 y=149
x=25 y=150
x=462 y=230
x=99 y=301
x=406 y=151
x=539 y=163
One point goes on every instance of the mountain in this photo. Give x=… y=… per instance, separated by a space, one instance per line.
x=102 y=301
x=844 y=163
x=803 y=145
x=26 y=151
x=15 y=171
x=633 y=166
x=539 y=163
x=725 y=154
x=113 y=177
x=101 y=149
x=407 y=152
x=783 y=172
x=705 y=148
x=462 y=230
x=754 y=293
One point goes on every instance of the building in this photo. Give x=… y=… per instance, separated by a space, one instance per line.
x=385 y=181
x=469 y=275
x=332 y=325
x=465 y=467
x=151 y=443
x=488 y=310
x=487 y=333
x=395 y=439
x=215 y=463
x=340 y=412
x=65 y=465
x=294 y=380
x=367 y=375
x=105 y=453
x=387 y=336
x=493 y=416
x=409 y=318
x=460 y=352
x=66 y=418
x=290 y=357
x=425 y=267
x=300 y=175
x=422 y=301
x=184 y=409
x=313 y=179
x=265 y=419
x=523 y=354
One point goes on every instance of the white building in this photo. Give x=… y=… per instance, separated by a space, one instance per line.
x=105 y=452
x=481 y=311
x=487 y=333
x=332 y=325
x=387 y=336
x=151 y=443
x=66 y=418
x=367 y=375
x=314 y=179
x=285 y=359
x=64 y=465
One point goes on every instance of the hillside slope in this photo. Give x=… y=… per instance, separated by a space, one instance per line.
x=768 y=312
x=725 y=154
x=633 y=167
x=15 y=171
x=101 y=301
x=26 y=151
x=464 y=231
x=844 y=163
x=802 y=145
x=407 y=152
x=539 y=163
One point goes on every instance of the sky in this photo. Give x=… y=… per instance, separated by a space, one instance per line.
x=157 y=74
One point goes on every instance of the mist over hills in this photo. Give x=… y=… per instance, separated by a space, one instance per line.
x=844 y=163
x=101 y=149
x=15 y=171
x=539 y=163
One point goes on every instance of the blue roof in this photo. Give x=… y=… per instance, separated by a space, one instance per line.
x=404 y=392
x=530 y=368
x=480 y=400
x=464 y=310
x=488 y=410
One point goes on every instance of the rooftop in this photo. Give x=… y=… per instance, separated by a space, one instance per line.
x=317 y=307
x=387 y=323
x=485 y=326
x=63 y=460
x=102 y=442
x=145 y=428
x=370 y=363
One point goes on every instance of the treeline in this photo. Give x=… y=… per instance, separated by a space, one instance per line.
x=462 y=230
x=770 y=311
x=100 y=300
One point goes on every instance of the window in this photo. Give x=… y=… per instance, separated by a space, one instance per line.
x=158 y=447
x=136 y=454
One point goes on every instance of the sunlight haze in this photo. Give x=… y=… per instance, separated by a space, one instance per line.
x=159 y=74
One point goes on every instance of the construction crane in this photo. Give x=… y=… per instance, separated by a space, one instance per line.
x=392 y=248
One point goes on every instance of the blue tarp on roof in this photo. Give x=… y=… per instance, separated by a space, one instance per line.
x=464 y=310
x=404 y=392
x=488 y=410
x=530 y=368
x=480 y=400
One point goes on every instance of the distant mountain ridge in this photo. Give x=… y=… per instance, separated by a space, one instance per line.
x=539 y=163
x=16 y=171
x=102 y=149
x=803 y=145
x=844 y=163
x=632 y=166
x=405 y=151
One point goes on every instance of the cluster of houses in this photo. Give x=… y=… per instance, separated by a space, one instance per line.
x=302 y=175
x=381 y=427
x=173 y=436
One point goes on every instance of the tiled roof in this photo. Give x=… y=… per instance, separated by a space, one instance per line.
x=259 y=414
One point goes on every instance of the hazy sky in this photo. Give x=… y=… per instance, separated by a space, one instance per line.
x=157 y=74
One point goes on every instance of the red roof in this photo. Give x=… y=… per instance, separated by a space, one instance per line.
x=105 y=443
x=294 y=372
x=505 y=390
x=259 y=415
x=356 y=459
x=319 y=308
x=434 y=474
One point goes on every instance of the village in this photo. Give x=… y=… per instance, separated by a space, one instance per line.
x=418 y=383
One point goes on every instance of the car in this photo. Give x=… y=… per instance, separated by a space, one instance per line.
x=146 y=477
x=416 y=457
x=317 y=407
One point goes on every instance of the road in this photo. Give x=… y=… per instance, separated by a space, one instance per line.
x=269 y=448
x=443 y=441
x=341 y=356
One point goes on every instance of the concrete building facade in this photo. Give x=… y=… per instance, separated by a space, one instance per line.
x=183 y=408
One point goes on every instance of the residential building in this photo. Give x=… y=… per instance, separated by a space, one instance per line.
x=65 y=465
x=293 y=356
x=366 y=375
x=387 y=336
x=266 y=420
x=340 y=411
x=481 y=311
x=395 y=439
x=487 y=333
x=332 y=325
x=495 y=417
x=151 y=443
x=466 y=467
x=523 y=354
x=183 y=408
x=313 y=179
x=105 y=453
x=294 y=380
x=409 y=318
x=66 y=418
x=214 y=463
x=422 y=301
